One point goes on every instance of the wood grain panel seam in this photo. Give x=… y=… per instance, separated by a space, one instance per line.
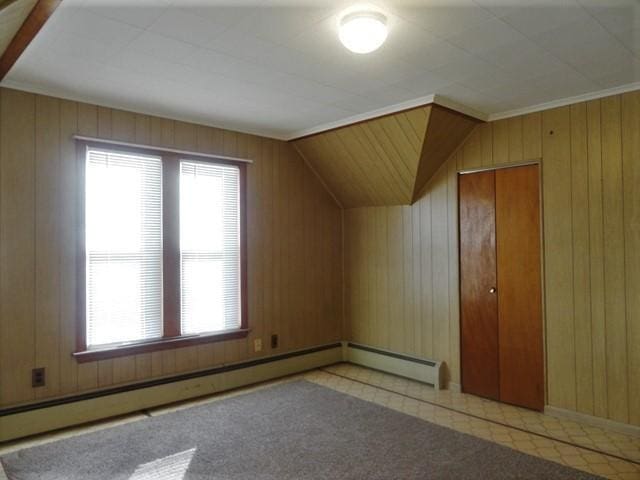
x=373 y=191
x=390 y=138
x=390 y=166
x=573 y=258
x=624 y=263
x=320 y=179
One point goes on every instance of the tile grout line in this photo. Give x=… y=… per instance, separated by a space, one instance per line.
x=495 y=422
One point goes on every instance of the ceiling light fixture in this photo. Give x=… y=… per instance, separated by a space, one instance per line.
x=363 y=32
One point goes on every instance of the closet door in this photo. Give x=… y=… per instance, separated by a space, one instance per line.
x=519 y=286
x=478 y=299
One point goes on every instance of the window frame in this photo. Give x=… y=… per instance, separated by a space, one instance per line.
x=171 y=327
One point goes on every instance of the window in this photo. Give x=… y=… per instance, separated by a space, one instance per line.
x=209 y=247
x=123 y=247
x=163 y=251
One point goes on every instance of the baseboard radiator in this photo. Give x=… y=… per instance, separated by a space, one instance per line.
x=431 y=372
x=48 y=415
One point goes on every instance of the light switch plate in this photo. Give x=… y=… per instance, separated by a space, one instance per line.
x=257 y=345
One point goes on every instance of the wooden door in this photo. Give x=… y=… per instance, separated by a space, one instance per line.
x=519 y=286
x=478 y=303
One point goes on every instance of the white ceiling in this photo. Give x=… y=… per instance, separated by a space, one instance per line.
x=277 y=68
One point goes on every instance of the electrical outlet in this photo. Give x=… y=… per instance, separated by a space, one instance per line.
x=257 y=345
x=274 y=341
x=37 y=377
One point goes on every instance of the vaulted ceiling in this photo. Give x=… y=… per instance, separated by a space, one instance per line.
x=386 y=160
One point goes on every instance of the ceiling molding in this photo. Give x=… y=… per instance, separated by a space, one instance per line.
x=36 y=19
x=143 y=111
x=563 y=102
x=390 y=110
x=363 y=117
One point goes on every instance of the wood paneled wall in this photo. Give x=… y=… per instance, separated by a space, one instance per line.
x=294 y=246
x=401 y=263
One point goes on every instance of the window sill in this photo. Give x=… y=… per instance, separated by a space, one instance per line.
x=155 y=345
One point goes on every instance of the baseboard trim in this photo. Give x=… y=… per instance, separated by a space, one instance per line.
x=455 y=387
x=25 y=420
x=584 y=418
x=420 y=369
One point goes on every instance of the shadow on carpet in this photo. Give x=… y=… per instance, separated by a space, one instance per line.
x=294 y=430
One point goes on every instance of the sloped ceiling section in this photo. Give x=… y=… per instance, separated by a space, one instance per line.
x=370 y=163
x=446 y=130
x=12 y=16
x=385 y=160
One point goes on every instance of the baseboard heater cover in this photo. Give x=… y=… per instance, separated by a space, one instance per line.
x=30 y=419
x=423 y=370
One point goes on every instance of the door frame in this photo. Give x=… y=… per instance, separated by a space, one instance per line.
x=465 y=171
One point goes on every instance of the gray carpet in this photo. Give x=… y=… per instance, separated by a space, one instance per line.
x=289 y=431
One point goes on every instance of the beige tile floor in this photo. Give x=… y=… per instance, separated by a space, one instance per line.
x=561 y=429
x=530 y=432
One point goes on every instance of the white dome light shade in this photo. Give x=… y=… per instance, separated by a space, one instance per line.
x=363 y=32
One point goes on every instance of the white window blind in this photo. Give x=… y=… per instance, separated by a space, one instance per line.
x=209 y=247
x=123 y=247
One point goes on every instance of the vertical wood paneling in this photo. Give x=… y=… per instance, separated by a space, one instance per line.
x=47 y=241
x=69 y=254
x=452 y=257
x=277 y=219
x=294 y=246
x=631 y=175
x=473 y=149
x=614 y=256
x=417 y=285
x=558 y=239
x=17 y=245
x=382 y=277
x=254 y=239
x=532 y=136
x=516 y=153
x=486 y=139
x=408 y=305
x=581 y=267
x=426 y=273
x=596 y=261
x=440 y=261
x=500 y=142
x=591 y=231
x=268 y=243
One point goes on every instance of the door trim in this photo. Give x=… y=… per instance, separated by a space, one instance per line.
x=464 y=171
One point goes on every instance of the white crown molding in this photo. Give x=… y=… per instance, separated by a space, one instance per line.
x=391 y=109
x=53 y=92
x=562 y=102
x=460 y=107
x=343 y=122
x=416 y=102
